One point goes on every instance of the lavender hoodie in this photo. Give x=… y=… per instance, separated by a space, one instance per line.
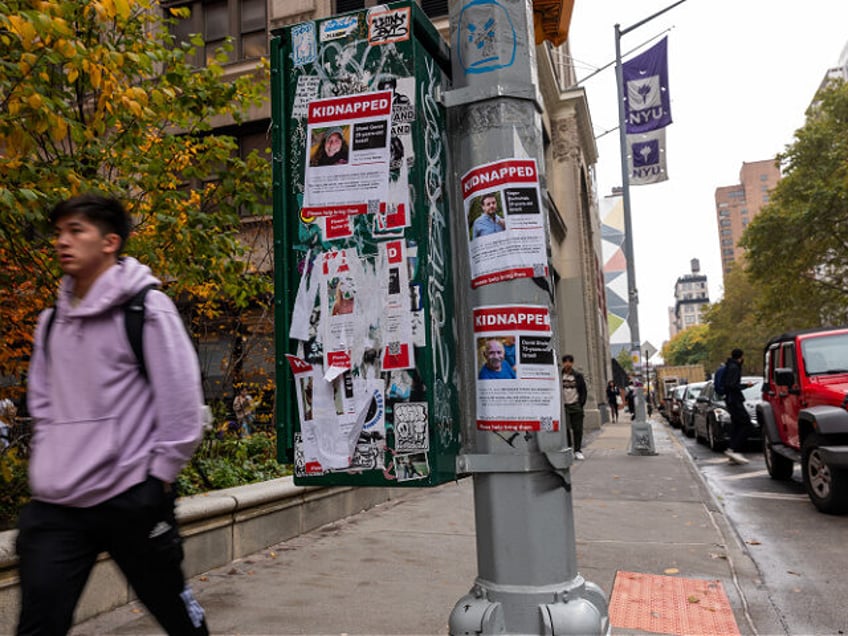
x=100 y=426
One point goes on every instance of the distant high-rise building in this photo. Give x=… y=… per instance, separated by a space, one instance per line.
x=838 y=72
x=737 y=205
x=691 y=297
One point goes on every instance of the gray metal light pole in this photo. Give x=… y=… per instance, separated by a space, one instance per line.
x=641 y=435
x=527 y=579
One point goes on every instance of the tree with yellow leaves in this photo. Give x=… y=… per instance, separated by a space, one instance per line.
x=98 y=96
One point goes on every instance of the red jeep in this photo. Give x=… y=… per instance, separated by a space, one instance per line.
x=804 y=414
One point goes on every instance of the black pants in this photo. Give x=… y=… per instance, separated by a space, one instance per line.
x=58 y=546
x=740 y=425
x=574 y=413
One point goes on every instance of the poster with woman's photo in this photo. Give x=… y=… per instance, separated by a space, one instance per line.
x=347 y=159
x=517 y=378
x=506 y=231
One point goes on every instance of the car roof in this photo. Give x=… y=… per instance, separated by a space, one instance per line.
x=791 y=335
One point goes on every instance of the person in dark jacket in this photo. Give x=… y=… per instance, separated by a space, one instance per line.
x=740 y=420
x=573 y=398
x=613 y=397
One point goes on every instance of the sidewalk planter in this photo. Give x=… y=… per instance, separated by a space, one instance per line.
x=217 y=527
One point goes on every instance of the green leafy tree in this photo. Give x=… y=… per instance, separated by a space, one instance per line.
x=738 y=320
x=97 y=96
x=687 y=347
x=797 y=246
x=625 y=360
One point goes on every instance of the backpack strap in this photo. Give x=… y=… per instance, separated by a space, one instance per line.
x=134 y=324
x=47 y=328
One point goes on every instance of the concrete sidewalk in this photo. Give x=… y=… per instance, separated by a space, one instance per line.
x=400 y=567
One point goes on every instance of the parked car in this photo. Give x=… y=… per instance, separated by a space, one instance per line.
x=674 y=404
x=804 y=413
x=687 y=408
x=711 y=421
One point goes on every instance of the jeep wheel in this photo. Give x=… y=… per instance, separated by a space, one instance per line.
x=826 y=486
x=778 y=466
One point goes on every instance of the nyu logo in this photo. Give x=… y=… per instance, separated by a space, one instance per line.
x=645 y=101
x=646 y=153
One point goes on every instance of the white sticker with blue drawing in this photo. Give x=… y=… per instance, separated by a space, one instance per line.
x=486 y=38
x=304 y=48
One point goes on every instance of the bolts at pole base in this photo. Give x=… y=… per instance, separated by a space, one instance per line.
x=566 y=609
x=474 y=614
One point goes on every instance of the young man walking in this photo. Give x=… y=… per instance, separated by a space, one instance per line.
x=574 y=398
x=740 y=420
x=110 y=437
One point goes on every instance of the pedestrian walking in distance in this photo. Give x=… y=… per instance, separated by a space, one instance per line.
x=111 y=431
x=613 y=396
x=573 y=398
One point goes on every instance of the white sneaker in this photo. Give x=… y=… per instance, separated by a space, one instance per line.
x=735 y=458
x=579 y=456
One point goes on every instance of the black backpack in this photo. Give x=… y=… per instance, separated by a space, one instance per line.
x=133 y=321
x=718 y=379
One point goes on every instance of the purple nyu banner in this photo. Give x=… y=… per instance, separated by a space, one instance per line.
x=646 y=98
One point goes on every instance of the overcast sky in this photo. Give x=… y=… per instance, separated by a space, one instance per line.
x=741 y=75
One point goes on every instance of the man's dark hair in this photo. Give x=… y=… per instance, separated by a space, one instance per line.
x=107 y=213
x=736 y=354
x=568 y=358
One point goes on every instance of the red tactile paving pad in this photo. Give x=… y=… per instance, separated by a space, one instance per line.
x=670 y=605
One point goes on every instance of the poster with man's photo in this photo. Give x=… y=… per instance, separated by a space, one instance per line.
x=517 y=377
x=506 y=225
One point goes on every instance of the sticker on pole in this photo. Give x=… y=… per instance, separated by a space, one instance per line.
x=506 y=226
x=517 y=377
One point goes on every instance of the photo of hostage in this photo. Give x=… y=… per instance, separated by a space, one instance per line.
x=489 y=221
x=330 y=149
x=495 y=367
x=344 y=296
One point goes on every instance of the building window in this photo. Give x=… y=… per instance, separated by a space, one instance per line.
x=254 y=136
x=434 y=8
x=253 y=23
x=343 y=6
x=245 y=21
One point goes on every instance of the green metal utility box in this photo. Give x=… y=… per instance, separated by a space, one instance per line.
x=365 y=332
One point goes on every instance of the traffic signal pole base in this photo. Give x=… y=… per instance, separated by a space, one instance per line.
x=571 y=608
x=641 y=433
